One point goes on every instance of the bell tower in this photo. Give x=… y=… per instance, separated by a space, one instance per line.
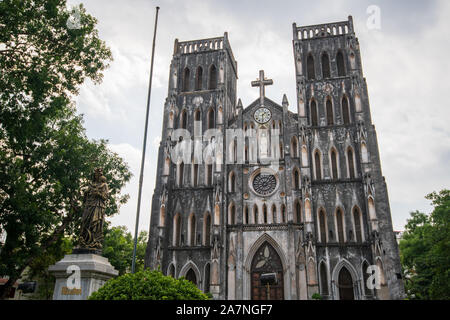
x=187 y=210
x=349 y=201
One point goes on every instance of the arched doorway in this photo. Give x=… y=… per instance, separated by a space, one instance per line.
x=266 y=260
x=345 y=286
x=190 y=275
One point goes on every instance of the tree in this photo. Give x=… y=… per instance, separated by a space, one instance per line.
x=45 y=157
x=148 y=285
x=38 y=268
x=118 y=247
x=424 y=251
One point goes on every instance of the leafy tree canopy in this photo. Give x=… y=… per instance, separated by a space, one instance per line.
x=118 y=247
x=46 y=158
x=425 y=248
x=148 y=285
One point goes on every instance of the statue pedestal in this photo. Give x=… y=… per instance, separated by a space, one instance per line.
x=79 y=275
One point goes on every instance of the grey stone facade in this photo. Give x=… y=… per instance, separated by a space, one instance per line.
x=324 y=210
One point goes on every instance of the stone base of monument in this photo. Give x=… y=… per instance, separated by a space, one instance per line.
x=78 y=275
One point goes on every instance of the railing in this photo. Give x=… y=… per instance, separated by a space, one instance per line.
x=200 y=45
x=204 y=45
x=323 y=30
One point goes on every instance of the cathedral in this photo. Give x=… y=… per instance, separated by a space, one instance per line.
x=258 y=202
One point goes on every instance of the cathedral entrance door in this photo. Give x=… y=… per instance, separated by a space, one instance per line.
x=266 y=260
x=345 y=285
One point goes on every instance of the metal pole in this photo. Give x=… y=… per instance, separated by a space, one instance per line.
x=141 y=177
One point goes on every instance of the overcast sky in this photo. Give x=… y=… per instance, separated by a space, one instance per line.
x=405 y=63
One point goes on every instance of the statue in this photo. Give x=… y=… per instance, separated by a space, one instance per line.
x=95 y=197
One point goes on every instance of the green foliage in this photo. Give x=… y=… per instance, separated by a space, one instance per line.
x=46 y=158
x=148 y=285
x=38 y=269
x=424 y=251
x=118 y=247
x=317 y=296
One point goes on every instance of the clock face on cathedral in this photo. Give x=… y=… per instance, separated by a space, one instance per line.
x=262 y=115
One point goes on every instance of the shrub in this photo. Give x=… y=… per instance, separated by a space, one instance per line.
x=317 y=296
x=148 y=285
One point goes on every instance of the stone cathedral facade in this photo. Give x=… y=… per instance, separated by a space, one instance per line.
x=246 y=193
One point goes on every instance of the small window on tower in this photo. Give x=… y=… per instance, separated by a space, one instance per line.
x=325 y=66
x=186 y=79
x=212 y=78
x=199 y=79
x=310 y=67
x=340 y=64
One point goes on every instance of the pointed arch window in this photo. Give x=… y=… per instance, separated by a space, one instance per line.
x=325 y=66
x=340 y=225
x=177 y=230
x=322 y=226
x=199 y=79
x=255 y=214
x=207 y=229
x=314 y=116
x=212 y=78
x=181 y=174
x=318 y=165
x=345 y=111
x=197 y=116
x=232 y=214
x=283 y=213
x=334 y=166
x=298 y=212
x=192 y=230
x=183 y=119
x=186 y=79
x=330 y=115
x=358 y=226
x=211 y=119
x=351 y=163
x=310 y=67
x=209 y=174
x=294 y=147
x=246 y=215
x=232 y=182
x=323 y=279
x=340 y=64
x=195 y=175
x=171 y=271
x=207 y=278
x=296 y=179
x=265 y=213
x=274 y=214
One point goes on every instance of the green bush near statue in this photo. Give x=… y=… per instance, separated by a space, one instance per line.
x=148 y=285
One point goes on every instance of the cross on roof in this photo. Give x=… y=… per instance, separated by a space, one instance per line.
x=261 y=83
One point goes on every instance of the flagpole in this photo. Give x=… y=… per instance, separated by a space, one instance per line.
x=141 y=177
